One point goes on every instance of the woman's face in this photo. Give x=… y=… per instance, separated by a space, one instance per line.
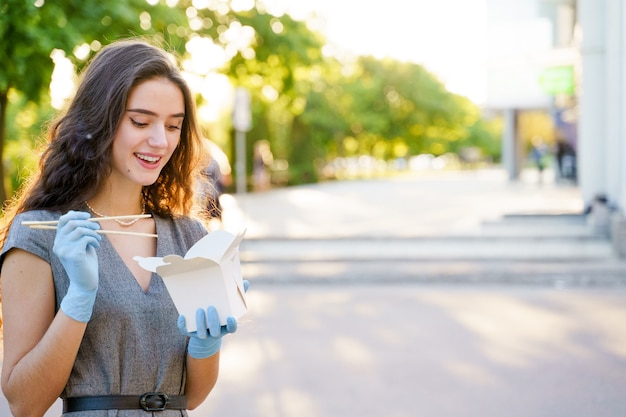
x=149 y=132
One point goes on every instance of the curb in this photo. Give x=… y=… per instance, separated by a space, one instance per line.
x=552 y=273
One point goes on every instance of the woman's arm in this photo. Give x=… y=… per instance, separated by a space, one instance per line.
x=203 y=353
x=201 y=378
x=39 y=348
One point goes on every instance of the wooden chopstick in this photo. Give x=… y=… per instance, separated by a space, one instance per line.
x=103 y=232
x=91 y=219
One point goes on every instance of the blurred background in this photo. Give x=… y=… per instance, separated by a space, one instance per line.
x=346 y=89
x=337 y=90
x=433 y=192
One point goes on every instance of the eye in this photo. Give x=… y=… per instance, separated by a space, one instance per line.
x=174 y=127
x=138 y=124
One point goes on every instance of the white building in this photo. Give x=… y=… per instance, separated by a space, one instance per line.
x=528 y=38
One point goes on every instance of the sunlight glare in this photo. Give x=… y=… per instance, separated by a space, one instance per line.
x=447 y=37
x=273 y=7
x=191 y=12
x=241 y=5
x=62 y=80
x=237 y=37
x=201 y=4
x=270 y=93
x=82 y=51
x=205 y=56
x=242 y=363
x=218 y=93
x=277 y=26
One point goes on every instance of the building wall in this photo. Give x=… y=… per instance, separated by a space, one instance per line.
x=592 y=144
x=526 y=37
x=591 y=35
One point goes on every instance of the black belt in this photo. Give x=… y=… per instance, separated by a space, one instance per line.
x=150 y=401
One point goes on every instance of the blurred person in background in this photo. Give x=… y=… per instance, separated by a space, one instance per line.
x=215 y=178
x=261 y=164
x=538 y=151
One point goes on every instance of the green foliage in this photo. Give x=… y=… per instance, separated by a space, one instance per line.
x=310 y=107
x=286 y=54
x=31 y=29
x=23 y=136
x=390 y=109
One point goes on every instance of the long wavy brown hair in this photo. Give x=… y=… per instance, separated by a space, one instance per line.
x=76 y=159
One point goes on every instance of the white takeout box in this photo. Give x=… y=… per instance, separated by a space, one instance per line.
x=209 y=274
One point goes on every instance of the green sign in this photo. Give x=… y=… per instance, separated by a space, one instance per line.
x=558 y=80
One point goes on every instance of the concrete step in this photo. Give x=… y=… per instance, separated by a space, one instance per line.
x=572 y=273
x=536 y=237
x=556 y=248
x=541 y=226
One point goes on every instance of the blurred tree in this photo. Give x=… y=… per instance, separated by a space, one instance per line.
x=31 y=29
x=392 y=109
x=286 y=54
x=309 y=106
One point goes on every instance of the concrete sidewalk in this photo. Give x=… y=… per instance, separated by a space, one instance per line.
x=434 y=203
x=434 y=215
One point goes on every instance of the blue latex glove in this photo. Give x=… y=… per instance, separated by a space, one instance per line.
x=75 y=245
x=207 y=339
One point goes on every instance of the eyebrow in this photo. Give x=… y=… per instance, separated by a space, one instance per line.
x=151 y=113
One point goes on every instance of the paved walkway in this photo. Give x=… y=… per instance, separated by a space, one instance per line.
x=418 y=205
x=466 y=215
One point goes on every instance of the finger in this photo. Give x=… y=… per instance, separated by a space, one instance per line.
x=182 y=324
x=213 y=320
x=79 y=239
x=231 y=325
x=201 y=324
x=75 y=230
x=93 y=243
x=80 y=228
x=90 y=253
x=72 y=215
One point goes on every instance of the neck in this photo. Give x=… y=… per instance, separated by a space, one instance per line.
x=108 y=200
x=103 y=210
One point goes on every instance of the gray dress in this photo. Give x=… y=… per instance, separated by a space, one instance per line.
x=132 y=344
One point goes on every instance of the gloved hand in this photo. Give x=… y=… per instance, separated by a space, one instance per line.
x=207 y=339
x=75 y=245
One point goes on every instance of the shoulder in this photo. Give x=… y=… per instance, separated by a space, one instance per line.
x=36 y=241
x=181 y=231
x=189 y=224
x=36 y=215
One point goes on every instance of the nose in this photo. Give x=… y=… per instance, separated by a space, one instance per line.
x=158 y=137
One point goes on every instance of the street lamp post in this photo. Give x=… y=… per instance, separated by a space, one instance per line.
x=242 y=121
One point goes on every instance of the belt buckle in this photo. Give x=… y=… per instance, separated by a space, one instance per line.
x=150 y=396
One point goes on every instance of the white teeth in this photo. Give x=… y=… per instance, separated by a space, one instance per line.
x=148 y=158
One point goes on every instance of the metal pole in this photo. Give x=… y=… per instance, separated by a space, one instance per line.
x=242 y=119
x=240 y=165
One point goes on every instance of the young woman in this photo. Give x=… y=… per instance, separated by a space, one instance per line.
x=82 y=320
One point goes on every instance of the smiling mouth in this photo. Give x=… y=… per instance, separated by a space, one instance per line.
x=149 y=159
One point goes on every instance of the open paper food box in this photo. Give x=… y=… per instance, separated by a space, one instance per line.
x=209 y=274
